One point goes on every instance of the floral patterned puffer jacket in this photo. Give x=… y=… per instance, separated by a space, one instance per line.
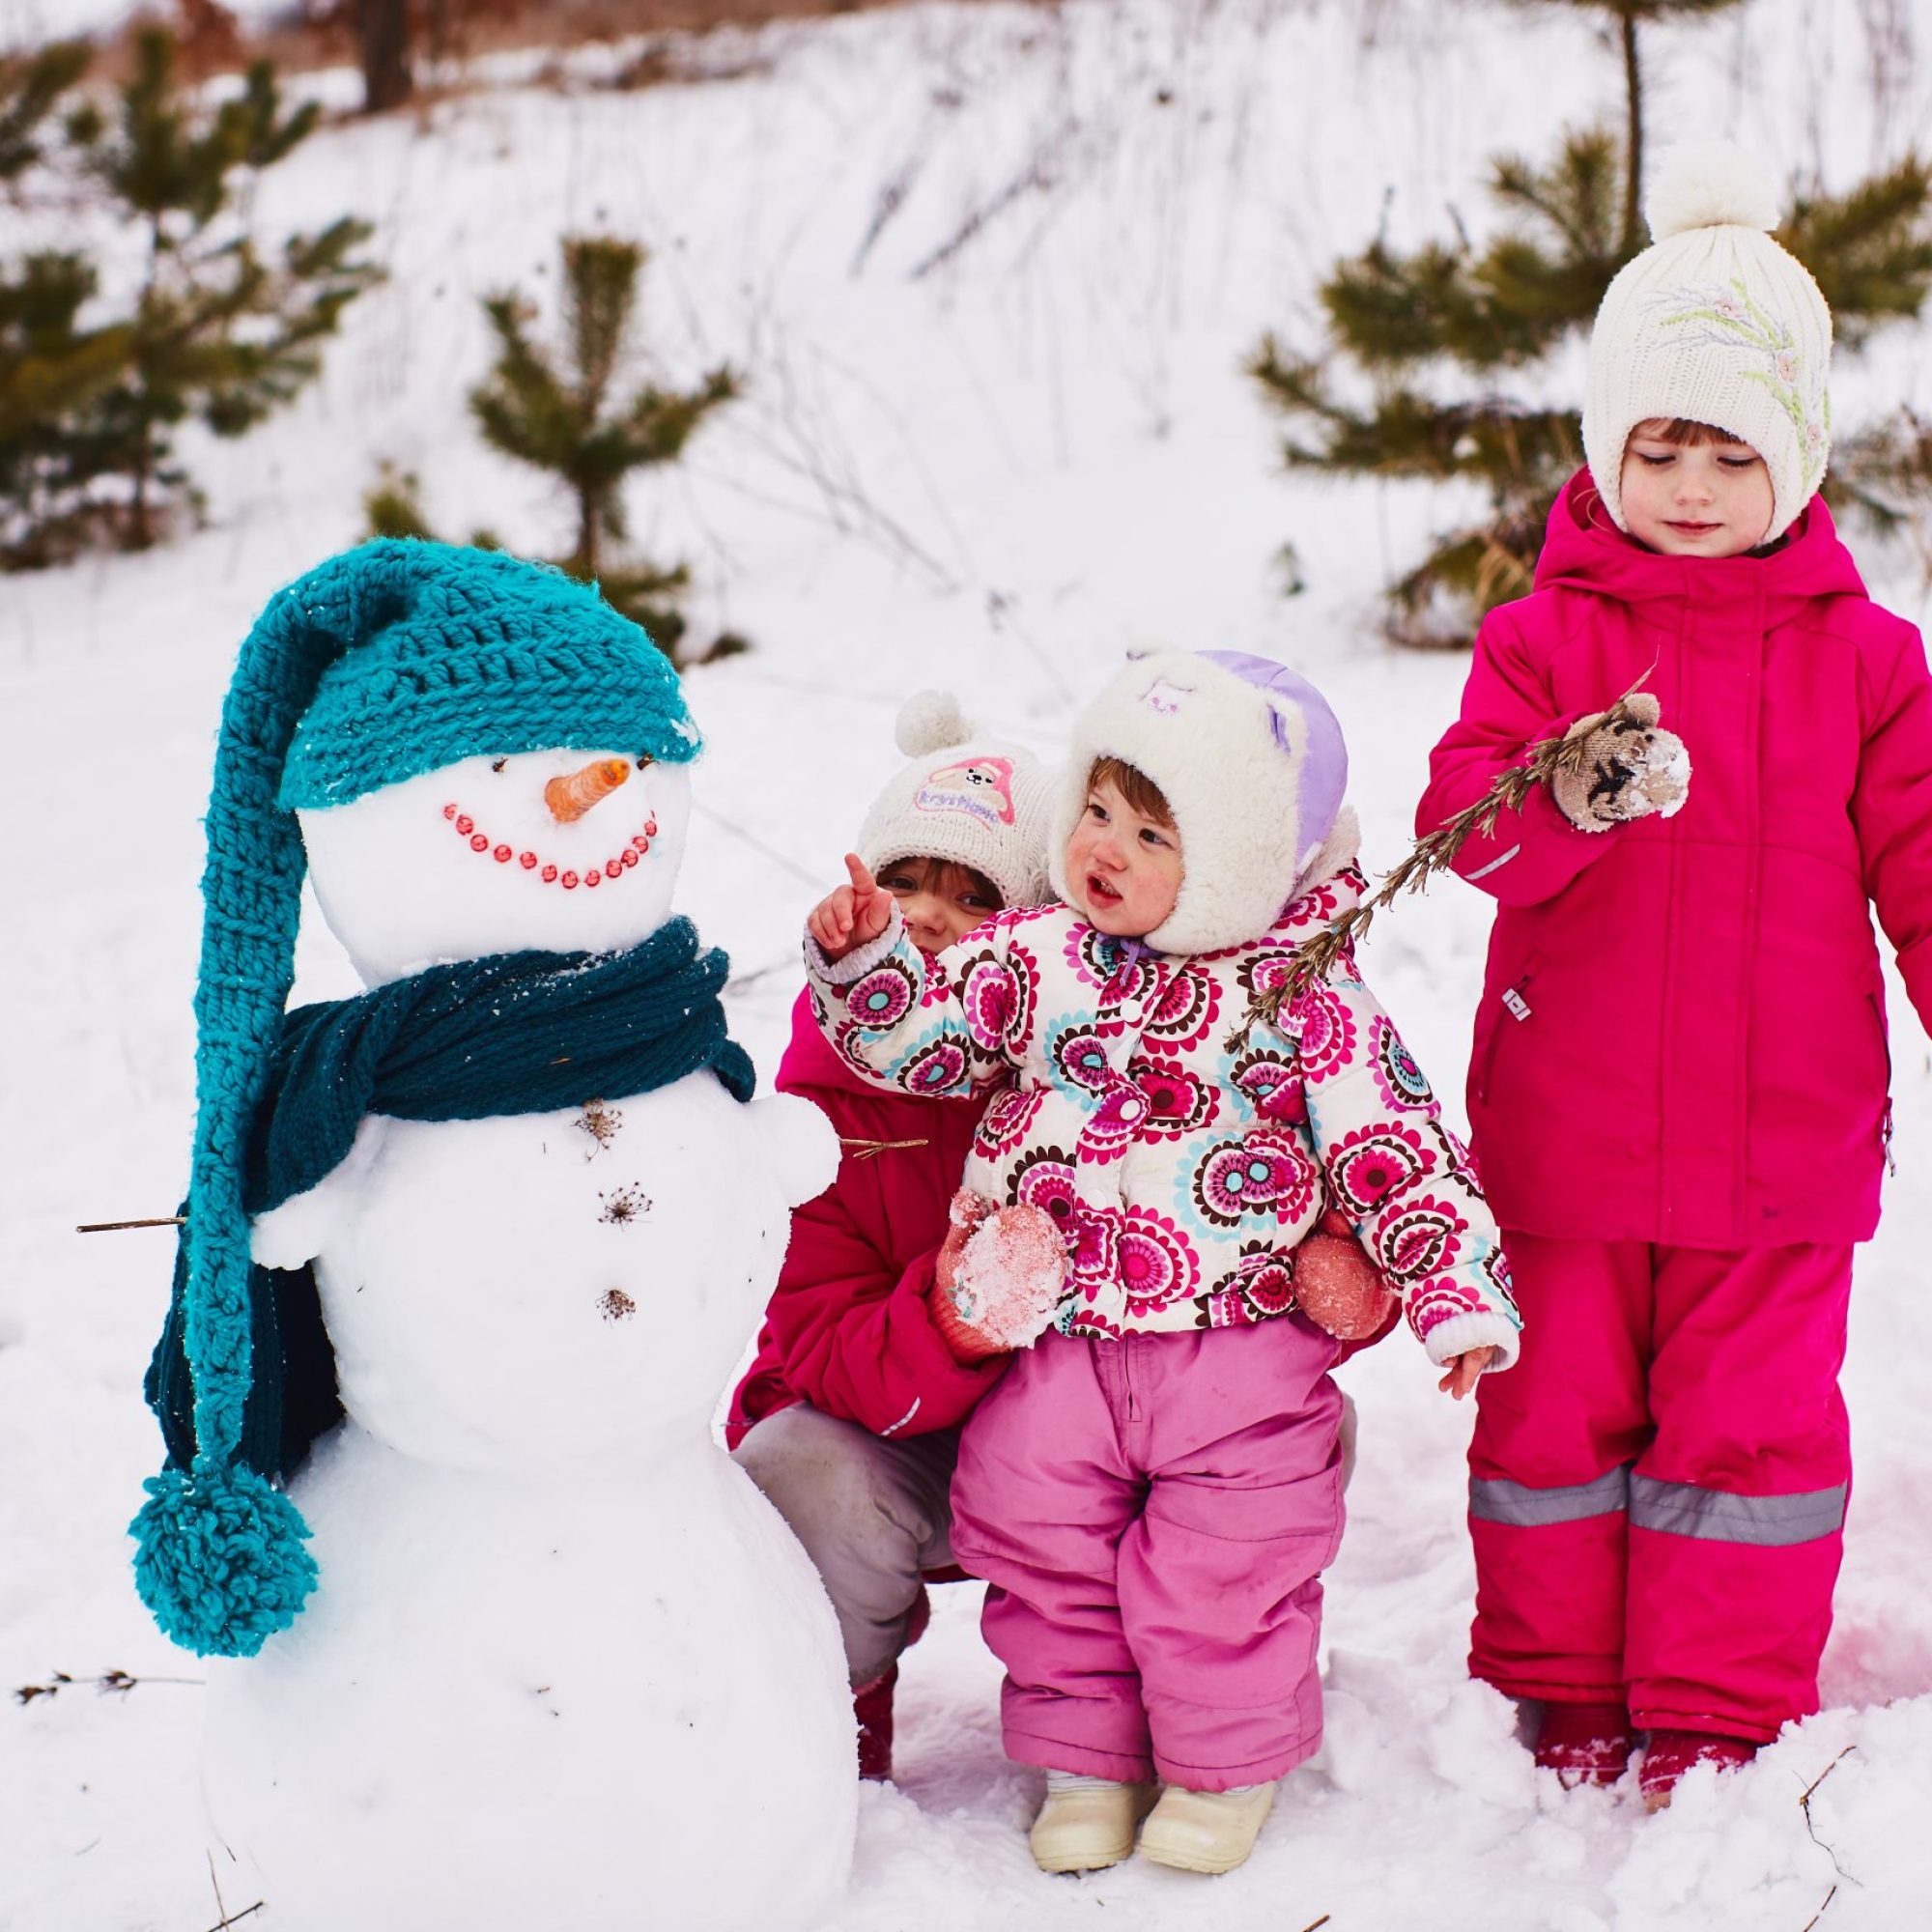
x=1183 y=1168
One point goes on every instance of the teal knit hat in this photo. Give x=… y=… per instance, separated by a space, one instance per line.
x=386 y=662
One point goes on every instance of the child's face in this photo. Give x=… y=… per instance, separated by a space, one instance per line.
x=940 y=903
x=1706 y=500
x=1123 y=870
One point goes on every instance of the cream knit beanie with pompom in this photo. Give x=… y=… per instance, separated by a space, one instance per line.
x=1716 y=323
x=972 y=800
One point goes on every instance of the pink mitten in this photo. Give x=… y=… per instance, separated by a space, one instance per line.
x=998 y=1278
x=1336 y=1285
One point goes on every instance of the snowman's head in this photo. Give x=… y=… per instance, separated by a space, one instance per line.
x=563 y=850
x=391 y=693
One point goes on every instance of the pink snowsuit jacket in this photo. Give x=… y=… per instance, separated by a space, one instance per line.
x=848 y=1327
x=1682 y=1035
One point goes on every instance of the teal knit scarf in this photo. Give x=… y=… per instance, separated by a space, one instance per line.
x=521 y=1033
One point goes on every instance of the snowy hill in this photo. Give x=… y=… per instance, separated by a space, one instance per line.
x=990 y=271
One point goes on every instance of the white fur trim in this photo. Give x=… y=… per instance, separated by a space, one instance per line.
x=1709 y=185
x=1206 y=737
x=1343 y=847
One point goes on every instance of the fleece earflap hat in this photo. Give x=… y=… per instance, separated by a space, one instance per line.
x=391 y=660
x=1252 y=764
x=965 y=798
x=1715 y=324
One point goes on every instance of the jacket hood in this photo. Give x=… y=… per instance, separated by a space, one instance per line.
x=1583 y=550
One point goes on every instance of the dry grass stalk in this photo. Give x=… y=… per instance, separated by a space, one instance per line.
x=1804 y=1805
x=865 y=1149
x=1315 y=958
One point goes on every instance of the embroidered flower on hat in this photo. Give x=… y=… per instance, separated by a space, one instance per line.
x=1729 y=317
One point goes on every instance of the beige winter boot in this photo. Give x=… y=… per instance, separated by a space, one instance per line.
x=1206 y=1831
x=1087 y=1823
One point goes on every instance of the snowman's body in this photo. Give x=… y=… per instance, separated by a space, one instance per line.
x=564 y=1664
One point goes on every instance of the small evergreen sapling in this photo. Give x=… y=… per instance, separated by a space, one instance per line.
x=561 y=409
x=31 y=87
x=222 y=333
x=1408 y=326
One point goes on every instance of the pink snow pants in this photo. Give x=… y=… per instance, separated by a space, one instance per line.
x=1658 y=1488
x=1153 y=1516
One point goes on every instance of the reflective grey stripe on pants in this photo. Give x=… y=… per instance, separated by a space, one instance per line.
x=1493 y=1499
x=1685 y=1510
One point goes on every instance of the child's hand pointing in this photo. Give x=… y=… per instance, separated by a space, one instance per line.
x=1464 y=1369
x=853 y=915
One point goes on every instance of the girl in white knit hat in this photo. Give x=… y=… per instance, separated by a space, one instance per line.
x=848 y=1419
x=1678 y=1084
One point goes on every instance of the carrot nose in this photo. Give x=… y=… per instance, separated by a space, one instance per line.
x=570 y=797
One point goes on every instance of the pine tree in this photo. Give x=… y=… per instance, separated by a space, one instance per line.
x=1405 y=320
x=559 y=409
x=51 y=370
x=220 y=333
x=31 y=87
x=50 y=365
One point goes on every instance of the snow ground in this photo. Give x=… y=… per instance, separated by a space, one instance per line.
x=989 y=467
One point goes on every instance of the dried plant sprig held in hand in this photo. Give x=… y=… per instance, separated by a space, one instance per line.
x=1434 y=852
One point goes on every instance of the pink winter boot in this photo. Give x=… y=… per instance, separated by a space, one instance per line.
x=872 y=1703
x=1669 y=1755
x=873 y=1707
x=1585 y=1744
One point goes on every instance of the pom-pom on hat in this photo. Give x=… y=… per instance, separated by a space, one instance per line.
x=1253 y=766
x=391 y=660
x=966 y=798
x=1716 y=323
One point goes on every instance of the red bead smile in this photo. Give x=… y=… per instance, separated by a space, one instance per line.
x=623 y=861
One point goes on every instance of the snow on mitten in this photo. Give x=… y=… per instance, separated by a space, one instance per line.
x=1336 y=1285
x=1629 y=769
x=998 y=1278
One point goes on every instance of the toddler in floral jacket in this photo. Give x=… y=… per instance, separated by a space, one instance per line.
x=1152 y=1489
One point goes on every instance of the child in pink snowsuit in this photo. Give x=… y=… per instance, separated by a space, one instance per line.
x=1678 y=1083
x=1152 y=1489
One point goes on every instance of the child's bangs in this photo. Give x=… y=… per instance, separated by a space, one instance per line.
x=1135 y=785
x=927 y=872
x=1682 y=434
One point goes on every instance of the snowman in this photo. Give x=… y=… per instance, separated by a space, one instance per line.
x=514 y=1643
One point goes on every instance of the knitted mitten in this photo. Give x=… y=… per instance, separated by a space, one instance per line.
x=1336 y=1285
x=998 y=1277
x=1629 y=769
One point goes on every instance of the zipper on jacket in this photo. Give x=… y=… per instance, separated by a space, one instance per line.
x=1885 y=1125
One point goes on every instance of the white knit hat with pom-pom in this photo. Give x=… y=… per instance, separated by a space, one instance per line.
x=1715 y=324
x=972 y=800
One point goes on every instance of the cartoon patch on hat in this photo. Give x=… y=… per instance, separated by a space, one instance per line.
x=981 y=788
